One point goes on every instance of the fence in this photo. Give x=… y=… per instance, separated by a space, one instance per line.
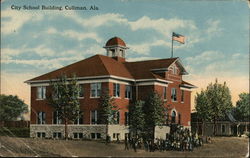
x=19 y=124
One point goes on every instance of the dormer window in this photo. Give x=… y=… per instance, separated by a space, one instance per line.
x=175 y=70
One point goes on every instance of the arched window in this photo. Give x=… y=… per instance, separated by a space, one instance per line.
x=173 y=117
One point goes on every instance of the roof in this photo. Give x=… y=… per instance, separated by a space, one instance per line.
x=115 y=41
x=100 y=65
x=141 y=69
x=186 y=84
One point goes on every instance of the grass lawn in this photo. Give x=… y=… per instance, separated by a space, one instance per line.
x=12 y=146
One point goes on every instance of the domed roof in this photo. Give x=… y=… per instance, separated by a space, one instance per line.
x=115 y=41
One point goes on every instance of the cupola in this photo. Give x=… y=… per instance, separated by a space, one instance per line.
x=116 y=48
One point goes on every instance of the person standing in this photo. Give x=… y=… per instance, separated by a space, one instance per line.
x=134 y=143
x=126 y=143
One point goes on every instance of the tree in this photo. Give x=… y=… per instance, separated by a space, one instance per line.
x=219 y=100
x=136 y=118
x=201 y=104
x=243 y=107
x=214 y=102
x=107 y=109
x=11 y=107
x=64 y=99
x=154 y=112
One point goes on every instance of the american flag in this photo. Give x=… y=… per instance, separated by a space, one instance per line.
x=178 y=37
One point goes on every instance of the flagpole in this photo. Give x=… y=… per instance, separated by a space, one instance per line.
x=172 y=47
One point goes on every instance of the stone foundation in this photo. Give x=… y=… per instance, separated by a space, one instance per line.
x=87 y=130
x=161 y=131
x=120 y=129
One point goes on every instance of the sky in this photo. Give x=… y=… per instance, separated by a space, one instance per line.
x=34 y=42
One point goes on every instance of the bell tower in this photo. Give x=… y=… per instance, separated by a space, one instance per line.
x=116 y=48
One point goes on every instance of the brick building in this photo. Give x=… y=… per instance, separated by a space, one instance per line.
x=126 y=81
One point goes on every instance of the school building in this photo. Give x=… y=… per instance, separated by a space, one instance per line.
x=126 y=82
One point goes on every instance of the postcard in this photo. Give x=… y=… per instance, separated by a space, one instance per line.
x=176 y=75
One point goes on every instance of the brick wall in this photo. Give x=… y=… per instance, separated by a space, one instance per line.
x=87 y=104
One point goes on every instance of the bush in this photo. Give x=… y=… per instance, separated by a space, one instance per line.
x=15 y=132
x=247 y=134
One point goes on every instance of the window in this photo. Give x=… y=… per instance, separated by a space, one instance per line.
x=94 y=117
x=56 y=119
x=173 y=116
x=79 y=120
x=56 y=94
x=41 y=134
x=117 y=117
x=41 y=118
x=223 y=129
x=95 y=90
x=126 y=118
x=80 y=135
x=165 y=93
x=98 y=135
x=77 y=135
x=128 y=92
x=116 y=90
x=174 y=94
x=81 y=91
x=179 y=118
x=127 y=135
x=57 y=135
x=95 y=135
x=175 y=70
x=182 y=95
x=41 y=92
x=92 y=135
x=116 y=136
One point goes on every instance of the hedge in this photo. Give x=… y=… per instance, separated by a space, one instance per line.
x=15 y=132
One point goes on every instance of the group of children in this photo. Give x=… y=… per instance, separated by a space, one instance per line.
x=179 y=139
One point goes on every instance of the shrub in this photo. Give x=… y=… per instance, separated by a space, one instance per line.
x=15 y=132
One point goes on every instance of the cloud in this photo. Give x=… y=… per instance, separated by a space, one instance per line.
x=97 y=20
x=45 y=63
x=216 y=63
x=6 y=53
x=206 y=56
x=140 y=59
x=41 y=50
x=94 y=49
x=13 y=20
x=163 y=26
x=144 y=48
x=213 y=27
x=51 y=30
x=160 y=25
x=75 y=35
x=82 y=36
